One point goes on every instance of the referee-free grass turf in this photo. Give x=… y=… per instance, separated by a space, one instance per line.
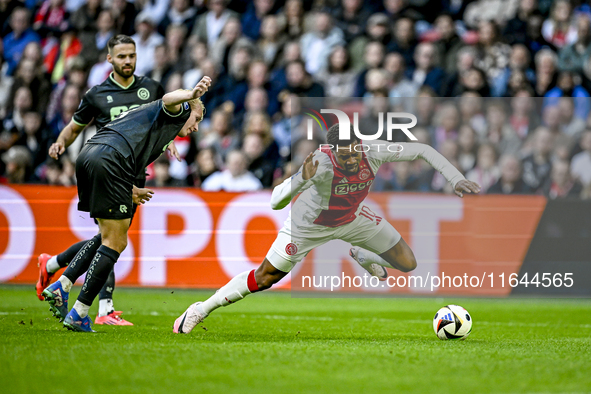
x=271 y=343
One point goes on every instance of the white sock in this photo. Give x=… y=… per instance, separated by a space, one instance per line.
x=105 y=307
x=66 y=283
x=233 y=291
x=366 y=258
x=52 y=265
x=81 y=308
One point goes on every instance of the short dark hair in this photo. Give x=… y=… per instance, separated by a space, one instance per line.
x=332 y=137
x=119 y=39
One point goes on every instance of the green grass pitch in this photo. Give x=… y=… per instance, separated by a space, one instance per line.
x=272 y=343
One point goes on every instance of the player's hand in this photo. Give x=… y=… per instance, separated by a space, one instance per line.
x=466 y=186
x=56 y=149
x=200 y=89
x=141 y=195
x=310 y=168
x=174 y=151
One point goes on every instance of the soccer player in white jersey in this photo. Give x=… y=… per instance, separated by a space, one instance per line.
x=334 y=182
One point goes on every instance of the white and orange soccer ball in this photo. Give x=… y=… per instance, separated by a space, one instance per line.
x=452 y=322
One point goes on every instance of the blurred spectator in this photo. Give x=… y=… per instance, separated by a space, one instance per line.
x=426 y=72
x=566 y=87
x=14 y=122
x=51 y=18
x=259 y=123
x=146 y=40
x=558 y=29
x=272 y=40
x=162 y=69
x=447 y=43
x=449 y=150
x=208 y=26
x=17 y=161
x=204 y=165
x=229 y=42
x=195 y=55
x=510 y=181
x=499 y=130
x=399 y=86
x=58 y=53
x=300 y=83
x=581 y=163
x=180 y=12
x=519 y=61
x=523 y=118
x=293 y=18
x=123 y=16
x=156 y=8
x=515 y=31
x=162 y=176
x=258 y=164
x=447 y=121
x=571 y=125
x=546 y=75
x=373 y=57
x=338 y=78
x=282 y=128
x=351 y=17
x=561 y=184
x=34 y=138
x=450 y=86
x=535 y=41
x=486 y=173
x=493 y=55
x=378 y=29
x=318 y=44
x=29 y=75
x=59 y=172
x=404 y=41
x=85 y=18
x=235 y=178
x=254 y=15
x=572 y=57
x=472 y=113
x=536 y=166
x=70 y=101
x=6 y=9
x=468 y=147
x=222 y=136
x=175 y=36
x=15 y=42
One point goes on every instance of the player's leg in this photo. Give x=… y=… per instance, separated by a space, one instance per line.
x=377 y=244
x=49 y=265
x=273 y=268
x=114 y=241
x=107 y=313
x=57 y=293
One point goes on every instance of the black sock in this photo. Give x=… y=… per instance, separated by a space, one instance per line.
x=101 y=266
x=65 y=257
x=107 y=290
x=81 y=261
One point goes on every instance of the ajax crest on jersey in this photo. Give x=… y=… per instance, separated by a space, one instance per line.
x=452 y=322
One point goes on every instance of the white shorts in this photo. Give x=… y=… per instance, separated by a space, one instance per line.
x=374 y=234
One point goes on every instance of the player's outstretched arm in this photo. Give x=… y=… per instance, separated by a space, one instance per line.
x=282 y=194
x=65 y=139
x=173 y=100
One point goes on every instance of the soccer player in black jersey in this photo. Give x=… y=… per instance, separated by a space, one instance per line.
x=106 y=169
x=120 y=92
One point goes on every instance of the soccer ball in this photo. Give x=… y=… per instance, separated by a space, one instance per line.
x=452 y=322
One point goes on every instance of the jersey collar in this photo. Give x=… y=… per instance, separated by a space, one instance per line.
x=118 y=84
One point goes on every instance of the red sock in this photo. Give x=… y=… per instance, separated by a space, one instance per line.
x=252 y=283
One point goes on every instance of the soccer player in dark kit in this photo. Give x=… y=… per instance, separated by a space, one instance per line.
x=106 y=169
x=120 y=92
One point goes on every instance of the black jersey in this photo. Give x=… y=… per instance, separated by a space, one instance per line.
x=108 y=100
x=142 y=134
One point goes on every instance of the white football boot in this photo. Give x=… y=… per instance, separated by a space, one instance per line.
x=188 y=320
x=373 y=268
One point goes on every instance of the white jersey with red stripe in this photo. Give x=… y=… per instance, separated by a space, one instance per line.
x=333 y=197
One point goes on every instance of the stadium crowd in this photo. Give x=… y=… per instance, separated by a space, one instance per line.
x=519 y=73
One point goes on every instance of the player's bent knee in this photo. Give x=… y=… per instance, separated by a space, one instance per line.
x=408 y=265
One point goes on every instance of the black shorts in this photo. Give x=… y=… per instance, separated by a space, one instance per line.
x=105 y=181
